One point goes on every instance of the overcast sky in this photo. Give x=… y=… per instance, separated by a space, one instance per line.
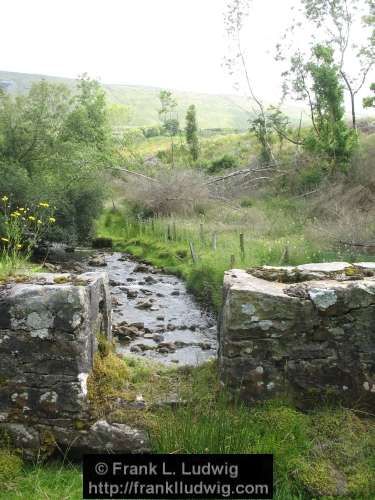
x=177 y=44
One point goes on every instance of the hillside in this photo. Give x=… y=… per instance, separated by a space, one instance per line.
x=214 y=111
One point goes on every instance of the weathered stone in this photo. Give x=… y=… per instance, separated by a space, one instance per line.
x=304 y=339
x=48 y=338
x=97 y=261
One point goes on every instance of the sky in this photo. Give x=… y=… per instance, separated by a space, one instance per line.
x=176 y=44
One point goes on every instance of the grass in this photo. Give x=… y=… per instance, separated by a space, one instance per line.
x=53 y=482
x=309 y=449
x=268 y=230
x=14 y=266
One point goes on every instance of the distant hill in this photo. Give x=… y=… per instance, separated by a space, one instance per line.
x=213 y=111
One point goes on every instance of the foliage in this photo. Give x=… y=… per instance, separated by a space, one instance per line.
x=369 y=102
x=167 y=112
x=317 y=81
x=10 y=466
x=152 y=131
x=192 y=132
x=52 y=145
x=22 y=228
x=226 y=162
x=348 y=28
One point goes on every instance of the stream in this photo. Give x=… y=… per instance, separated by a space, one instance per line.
x=160 y=319
x=153 y=314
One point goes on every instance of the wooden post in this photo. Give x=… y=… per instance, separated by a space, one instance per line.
x=169 y=236
x=201 y=232
x=174 y=231
x=242 y=247
x=285 y=256
x=214 y=241
x=193 y=254
x=232 y=261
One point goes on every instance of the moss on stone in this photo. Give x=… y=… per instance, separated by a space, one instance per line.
x=61 y=280
x=47 y=443
x=10 y=467
x=319 y=477
x=81 y=425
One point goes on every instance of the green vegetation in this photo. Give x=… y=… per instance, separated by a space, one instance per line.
x=52 y=144
x=149 y=240
x=311 y=450
x=139 y=105
x=198 y=204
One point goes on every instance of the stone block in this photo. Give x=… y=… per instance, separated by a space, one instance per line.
x=300 y=339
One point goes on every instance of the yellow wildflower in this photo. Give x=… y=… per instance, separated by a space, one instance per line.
x=5 y=198
x=52 y=219
x=39 y=221
x=5 y=240
x=44 y=204
x=19 y=246
x=15 y=214
x=31 y=217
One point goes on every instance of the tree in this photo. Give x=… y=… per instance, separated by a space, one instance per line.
x=369 y=102
x=52 y=147
x=191 y=131
x=88 y=122
x=336 y=23
x=318 y=82
x=168 y=116
x=237 y=11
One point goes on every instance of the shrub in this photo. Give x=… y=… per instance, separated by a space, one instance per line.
x=226 y=162
x=174 y=191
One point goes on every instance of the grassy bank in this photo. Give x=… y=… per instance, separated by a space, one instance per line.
x=273 y=234
x=316 y=455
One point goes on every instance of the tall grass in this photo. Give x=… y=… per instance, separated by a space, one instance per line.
x=272 y=239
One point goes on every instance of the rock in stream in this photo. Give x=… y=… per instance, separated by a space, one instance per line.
x=154 y=316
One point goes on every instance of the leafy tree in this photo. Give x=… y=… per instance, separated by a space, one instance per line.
x=369 y=102
x=168 y=116
x=52 y=146
x=191 y=131
x=87 y=122
x=336 y=23
x=318 y=82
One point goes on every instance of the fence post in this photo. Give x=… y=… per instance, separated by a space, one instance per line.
x=169 y=236
x=174 y=231
x=201 y=232
x=214 y=241
x=242 y=247
x=193 y=254
x=232 y=261
x=285 y=256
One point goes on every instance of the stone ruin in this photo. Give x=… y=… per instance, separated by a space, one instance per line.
x=48 y=337
x=306 y=333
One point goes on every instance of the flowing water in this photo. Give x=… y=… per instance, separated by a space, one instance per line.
x=169 y=326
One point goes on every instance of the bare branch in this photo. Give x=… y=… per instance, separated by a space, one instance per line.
x=121 y=169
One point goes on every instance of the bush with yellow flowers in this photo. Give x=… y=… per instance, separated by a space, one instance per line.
x=22 y=228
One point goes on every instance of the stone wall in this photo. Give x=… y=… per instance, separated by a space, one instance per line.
x=48 y=337
x=307 y=333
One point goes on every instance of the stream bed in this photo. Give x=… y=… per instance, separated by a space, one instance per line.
x=153 y=314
